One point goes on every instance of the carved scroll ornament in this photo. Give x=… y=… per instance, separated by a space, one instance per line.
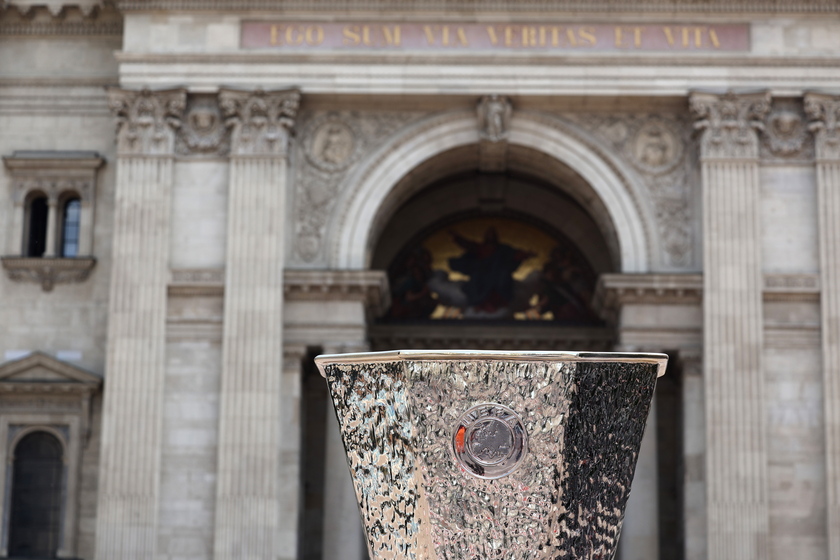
x=261 y=120
x=824 y=112
x=147 y=120
x=730 y=123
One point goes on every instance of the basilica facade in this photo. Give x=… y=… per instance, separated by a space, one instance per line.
x=199 y=196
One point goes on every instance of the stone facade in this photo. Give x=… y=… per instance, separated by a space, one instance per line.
x=247 y=172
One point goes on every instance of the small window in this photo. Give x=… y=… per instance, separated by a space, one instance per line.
x=70 y=227
x=36 y=242
x=36 y=497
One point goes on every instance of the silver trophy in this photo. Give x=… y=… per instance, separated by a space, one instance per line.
x=492 y=455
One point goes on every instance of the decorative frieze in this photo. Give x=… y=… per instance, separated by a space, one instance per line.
x=55 y=17
x=147 y=120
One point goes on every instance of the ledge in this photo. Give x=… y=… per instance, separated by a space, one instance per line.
x=48 y=271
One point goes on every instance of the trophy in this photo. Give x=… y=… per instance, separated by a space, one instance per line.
x=476 y=455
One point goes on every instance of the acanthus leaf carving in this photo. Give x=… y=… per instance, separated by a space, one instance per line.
x=824 y=114
x=147 y=120
x=261 y=121
x=729 y=123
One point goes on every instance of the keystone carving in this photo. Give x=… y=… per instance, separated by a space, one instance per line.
x=729 y=123
x=824 y=114
x=147 y=120
x=494 y=112
x=261 y=120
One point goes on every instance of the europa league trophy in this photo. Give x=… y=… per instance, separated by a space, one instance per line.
x=492 y=455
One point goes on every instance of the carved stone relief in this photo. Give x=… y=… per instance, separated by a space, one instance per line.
x=786 y=134
x=330 y=144
x=824 y=114
x=261 y=121
x=655 y=145
x=203 y=131
x=494 y=114
x=147 y=120
x=729 y=123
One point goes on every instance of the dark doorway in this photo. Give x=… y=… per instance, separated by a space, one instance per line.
x=35 y=518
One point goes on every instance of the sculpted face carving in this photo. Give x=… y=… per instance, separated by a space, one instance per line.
x=332 y=145
x=785 y=132
x=203 y=132
x=656 y=147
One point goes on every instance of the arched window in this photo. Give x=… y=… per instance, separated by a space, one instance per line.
x=70 y=224
x=36 y=497
x=36 y=239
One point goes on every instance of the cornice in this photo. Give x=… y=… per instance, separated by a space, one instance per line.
x=48 y=271
x=59 y=18
x=537 y=6
x=369 y=286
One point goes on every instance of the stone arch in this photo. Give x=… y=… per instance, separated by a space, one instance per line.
x=350 y=236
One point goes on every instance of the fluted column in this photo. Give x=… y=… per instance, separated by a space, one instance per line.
x=824 y=111
x=736 y=457
x=126 y=526
x=247 y=497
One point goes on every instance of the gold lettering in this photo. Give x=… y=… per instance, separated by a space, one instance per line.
x=619 y=36
x=314 y=35
x=351 y=35
x=291 y=38
x=685 y=36
x=445 y=36
x=462 y=37
x=570 y=34
x=429 y=33
x=509 y=36
x=669 y=35
x=698 y=37
x=274 y=34
x=491 y=32
x=713 y=36
x=366 y=36
x=587 y=36
x=529 y=36
x=392 y=35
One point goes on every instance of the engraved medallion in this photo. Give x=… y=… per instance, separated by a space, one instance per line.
x=489 y=441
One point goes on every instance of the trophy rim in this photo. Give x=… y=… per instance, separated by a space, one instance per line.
x=519 y=355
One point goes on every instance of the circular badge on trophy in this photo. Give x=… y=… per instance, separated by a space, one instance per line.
x=490 y=441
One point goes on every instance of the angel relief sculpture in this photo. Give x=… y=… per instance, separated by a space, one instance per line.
x=492 y=270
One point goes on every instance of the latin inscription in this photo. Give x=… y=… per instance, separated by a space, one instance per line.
x=303 y=36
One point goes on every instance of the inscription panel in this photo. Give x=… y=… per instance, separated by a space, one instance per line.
x=314 y=35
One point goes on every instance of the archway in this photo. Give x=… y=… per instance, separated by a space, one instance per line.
x=440 y=146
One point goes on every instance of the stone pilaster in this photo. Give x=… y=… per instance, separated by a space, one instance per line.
x=736 y=459
x=131 y=431
x=824 y=112
x=248 y=496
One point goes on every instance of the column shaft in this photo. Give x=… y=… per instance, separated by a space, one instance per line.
x=247 y=507
x=131 y=431
x=736 y=450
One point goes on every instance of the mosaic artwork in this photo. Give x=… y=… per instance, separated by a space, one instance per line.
x=492 y=269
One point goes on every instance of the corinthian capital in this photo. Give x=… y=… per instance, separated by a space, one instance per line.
x=146 y=120
x=824 y=113
x=261 y=120
x=730 y=123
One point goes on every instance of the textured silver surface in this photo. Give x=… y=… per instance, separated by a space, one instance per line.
x=400 y=421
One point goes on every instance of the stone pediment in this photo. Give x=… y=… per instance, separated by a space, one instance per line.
x=40 y=372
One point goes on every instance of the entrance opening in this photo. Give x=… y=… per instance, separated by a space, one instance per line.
x=486 y=260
